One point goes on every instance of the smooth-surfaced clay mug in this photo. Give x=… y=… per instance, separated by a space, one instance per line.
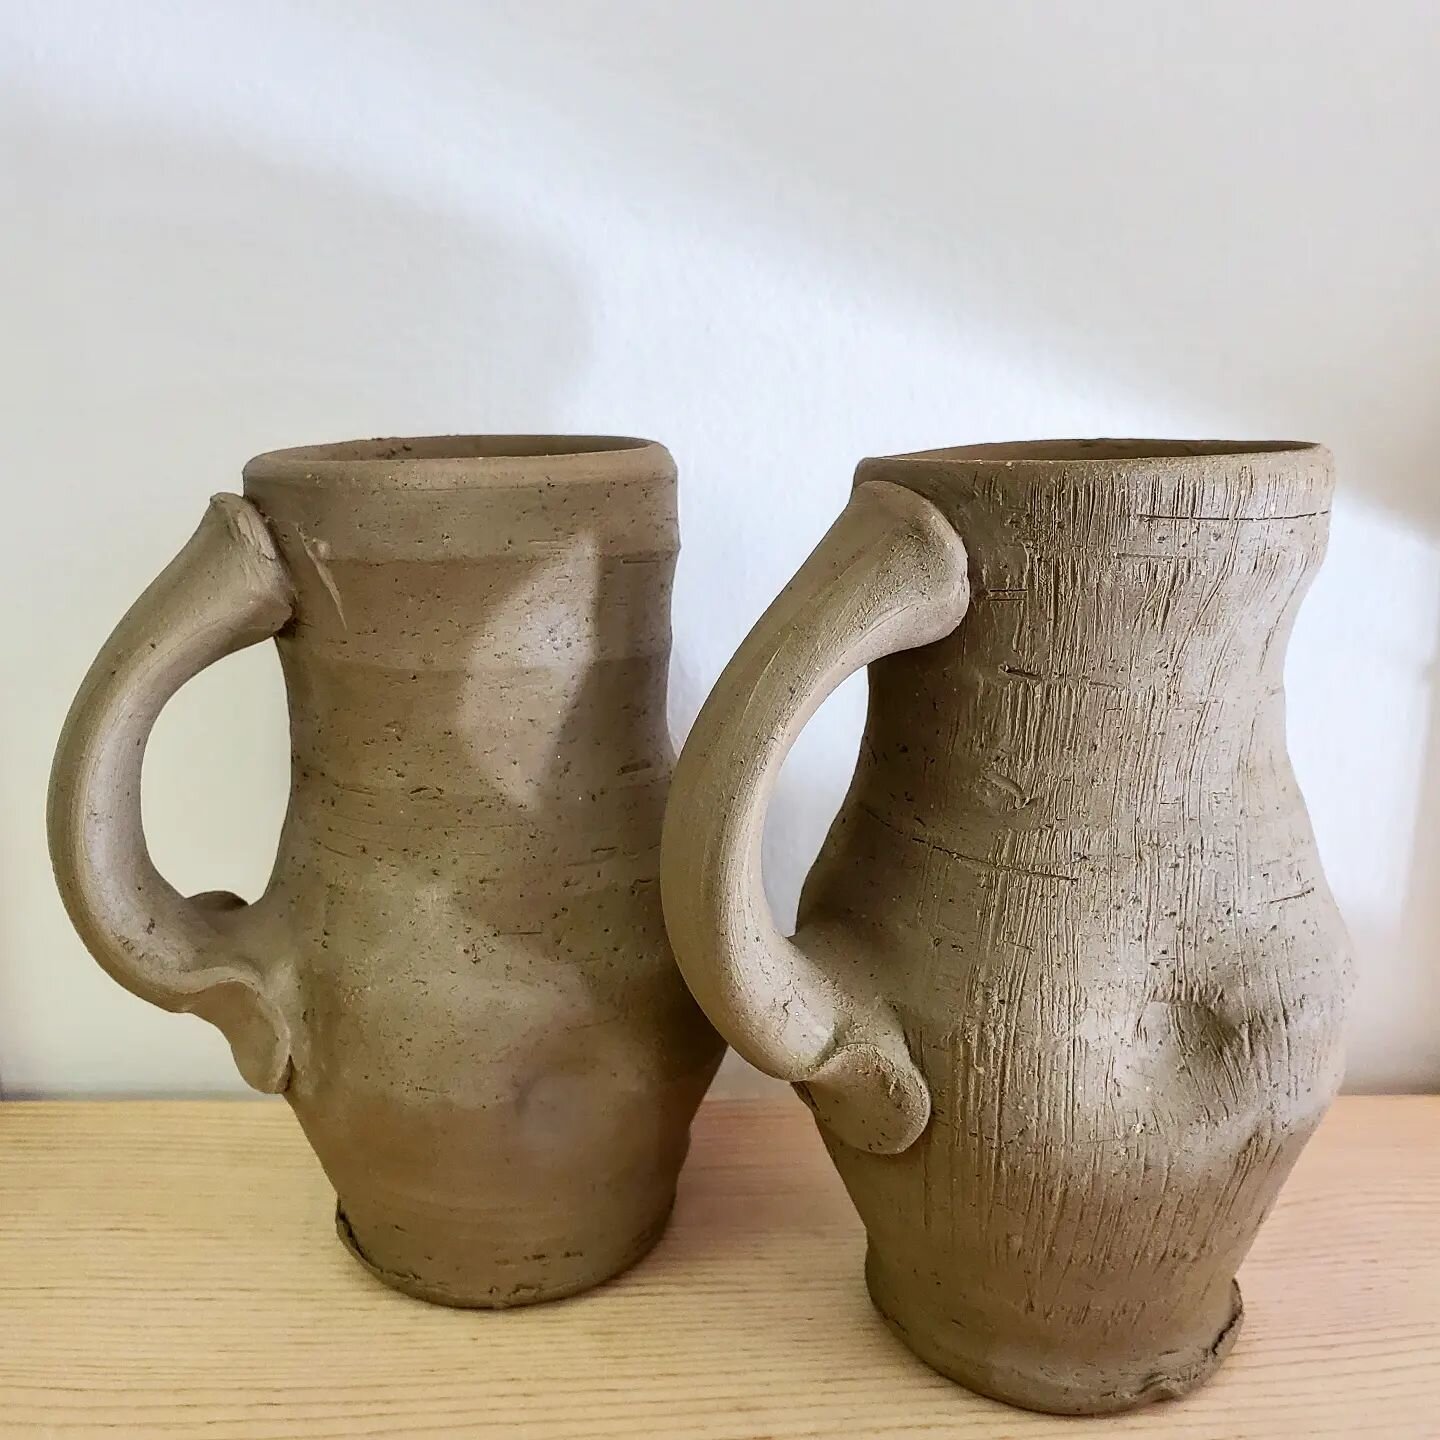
x=458 y=974
x=1066 y=990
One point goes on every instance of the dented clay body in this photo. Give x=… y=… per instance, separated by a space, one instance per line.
x=1067 y=985
x=458 y=974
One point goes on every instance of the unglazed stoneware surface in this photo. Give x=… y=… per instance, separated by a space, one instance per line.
x=458 y=975
x=1067 y=985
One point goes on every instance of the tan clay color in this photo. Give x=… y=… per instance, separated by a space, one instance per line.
x=1066 y=990
x=458 y=975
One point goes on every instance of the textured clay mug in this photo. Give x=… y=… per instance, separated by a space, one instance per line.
x=1066 y=990
x=458 y=974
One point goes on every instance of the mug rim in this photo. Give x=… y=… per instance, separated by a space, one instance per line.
x=446 y=458
x=1108 y=451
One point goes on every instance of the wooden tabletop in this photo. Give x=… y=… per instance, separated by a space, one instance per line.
x=170 y=1269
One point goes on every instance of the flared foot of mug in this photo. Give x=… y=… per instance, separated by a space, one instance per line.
x=1049 y=1383
x=417 y=1258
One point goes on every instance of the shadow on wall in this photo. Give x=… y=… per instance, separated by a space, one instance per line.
x=173 y=307
x=1420 y=913
x=1192 y=212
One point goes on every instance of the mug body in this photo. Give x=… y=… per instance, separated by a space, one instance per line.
x=495 y=1058
x=1076 y=851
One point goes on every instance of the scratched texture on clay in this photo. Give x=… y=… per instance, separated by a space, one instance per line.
x=1070 y=922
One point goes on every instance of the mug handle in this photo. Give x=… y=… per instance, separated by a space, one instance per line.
x=890 y=575
x=228 y=588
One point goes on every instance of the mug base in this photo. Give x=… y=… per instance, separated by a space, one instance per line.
x=531 y=1280
x=1059 y=1387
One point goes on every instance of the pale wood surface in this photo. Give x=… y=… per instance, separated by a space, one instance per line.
x=169 y=1269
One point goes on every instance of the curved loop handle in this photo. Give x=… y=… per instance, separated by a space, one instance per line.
x=890 y=575
x=226 y=589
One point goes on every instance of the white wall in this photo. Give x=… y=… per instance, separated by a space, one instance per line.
x=778 y=236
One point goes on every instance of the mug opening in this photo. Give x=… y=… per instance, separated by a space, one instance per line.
x=389 y=449
x=1103 y=449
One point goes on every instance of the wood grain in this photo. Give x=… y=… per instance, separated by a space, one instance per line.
x=169 y=1269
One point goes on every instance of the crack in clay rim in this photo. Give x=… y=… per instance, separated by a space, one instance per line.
x=418 y=461
x=1108 y=451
